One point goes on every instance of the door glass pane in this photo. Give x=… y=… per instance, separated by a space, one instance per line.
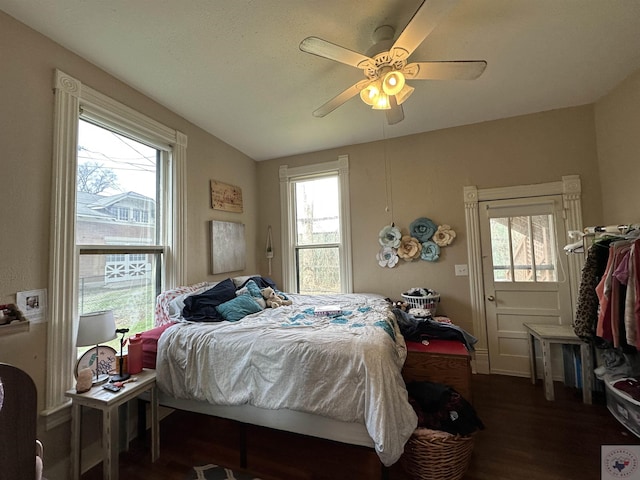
x=523 y=249
x=500 y=249
x=318 y=270
x=544 y=248
x=317 y=211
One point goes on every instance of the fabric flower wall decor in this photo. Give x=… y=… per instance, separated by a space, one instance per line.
x=387 y=257
x=444 y=235
x=422 y=229
x=409 y=249
x=424 y=242
x=430 y=251
x=390 y=236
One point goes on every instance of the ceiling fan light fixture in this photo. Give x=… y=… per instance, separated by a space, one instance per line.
x=393 y=82
x=381 y=102
x=405 y=93
x=369 y=94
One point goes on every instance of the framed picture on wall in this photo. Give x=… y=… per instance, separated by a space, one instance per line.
x=228 y=247
x=33 y=304
x=226 y=197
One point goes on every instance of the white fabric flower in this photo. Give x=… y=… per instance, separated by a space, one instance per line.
x=390 y=236
x=444 y=235
x=387 y=257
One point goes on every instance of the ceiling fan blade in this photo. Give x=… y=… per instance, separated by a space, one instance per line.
x=341 y=98
x=453 y=70
x=395 y=114
x=322 y=48
x=426 y=18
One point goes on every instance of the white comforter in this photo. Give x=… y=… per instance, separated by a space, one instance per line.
x=345 y=367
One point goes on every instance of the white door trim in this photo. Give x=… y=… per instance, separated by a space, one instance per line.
x=570 y=188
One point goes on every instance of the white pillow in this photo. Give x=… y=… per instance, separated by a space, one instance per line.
x=177 y=304
x=239 y=281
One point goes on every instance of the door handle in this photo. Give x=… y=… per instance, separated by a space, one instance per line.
x=491 y=298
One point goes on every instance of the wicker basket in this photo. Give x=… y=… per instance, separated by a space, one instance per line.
x=436 y=455
x=425 y=302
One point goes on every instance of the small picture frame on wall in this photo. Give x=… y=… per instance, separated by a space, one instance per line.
x=33 y=304
x=226 y=197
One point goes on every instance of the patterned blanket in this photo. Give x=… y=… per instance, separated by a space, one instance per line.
x=345 y=366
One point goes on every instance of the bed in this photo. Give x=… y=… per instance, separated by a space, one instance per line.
x=335 y=376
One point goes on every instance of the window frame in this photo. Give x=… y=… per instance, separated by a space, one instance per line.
x=288 y=177
x=72 y=98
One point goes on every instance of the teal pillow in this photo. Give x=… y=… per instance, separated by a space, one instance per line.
x=239 y=307
x=250 y=288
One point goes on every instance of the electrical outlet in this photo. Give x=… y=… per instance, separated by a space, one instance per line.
x=462 y=270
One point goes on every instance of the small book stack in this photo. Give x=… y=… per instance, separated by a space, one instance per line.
x=328 y=310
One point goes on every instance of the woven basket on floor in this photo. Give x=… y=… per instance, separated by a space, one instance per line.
x=436 y=455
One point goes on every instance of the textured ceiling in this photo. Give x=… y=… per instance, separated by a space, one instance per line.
x=234 y=67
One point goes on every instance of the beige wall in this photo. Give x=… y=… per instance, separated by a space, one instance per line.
x=26 y=135
x=426 y=176
x=618 y=139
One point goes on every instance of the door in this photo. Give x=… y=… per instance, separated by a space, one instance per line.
x=525 y=276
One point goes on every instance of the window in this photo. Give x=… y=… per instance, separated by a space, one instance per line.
x=117 y=186
x=89 y=269
x=523 y=249
x=316 y=235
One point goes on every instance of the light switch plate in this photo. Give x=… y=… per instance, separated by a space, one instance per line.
x=462 y=270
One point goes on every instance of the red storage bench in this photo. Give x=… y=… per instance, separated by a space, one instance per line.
x=441 y=361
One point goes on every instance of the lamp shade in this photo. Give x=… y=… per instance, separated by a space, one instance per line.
x=370 y=93
x=393 y=82
x=95 y=328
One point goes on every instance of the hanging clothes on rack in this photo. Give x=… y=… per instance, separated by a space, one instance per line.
x=588 y=308
x=586 y=318
x=611 y=295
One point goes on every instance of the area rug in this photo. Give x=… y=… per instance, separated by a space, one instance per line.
x=216 y=472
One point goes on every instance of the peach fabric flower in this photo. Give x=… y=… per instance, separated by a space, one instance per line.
x=409 y=248
x=444 y=236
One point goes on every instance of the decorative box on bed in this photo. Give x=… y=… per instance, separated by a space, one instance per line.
x=335 y=376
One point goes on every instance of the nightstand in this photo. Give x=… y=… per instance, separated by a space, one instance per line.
x=442 y=361
x=108 y=402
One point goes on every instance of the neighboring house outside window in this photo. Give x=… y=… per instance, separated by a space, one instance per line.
x=315 y=228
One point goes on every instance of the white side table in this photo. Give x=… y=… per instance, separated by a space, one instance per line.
x=108 y=402
x=562 y=334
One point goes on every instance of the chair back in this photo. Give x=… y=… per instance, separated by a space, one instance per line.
x=18 y=417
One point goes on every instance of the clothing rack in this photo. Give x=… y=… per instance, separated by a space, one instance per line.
x=581 y=246
x=619 y=229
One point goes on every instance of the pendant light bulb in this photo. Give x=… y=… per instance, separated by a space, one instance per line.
x=369 y=94
x=382 y=102
x=393 y=82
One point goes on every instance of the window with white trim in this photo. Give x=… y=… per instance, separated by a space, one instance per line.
x=161 y=209
x=316 y=228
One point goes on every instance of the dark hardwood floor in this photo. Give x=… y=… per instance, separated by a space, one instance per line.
x=526 y=437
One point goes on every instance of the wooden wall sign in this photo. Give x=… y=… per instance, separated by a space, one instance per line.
x=226 y=197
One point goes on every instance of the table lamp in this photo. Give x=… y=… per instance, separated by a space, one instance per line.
x=93 y=329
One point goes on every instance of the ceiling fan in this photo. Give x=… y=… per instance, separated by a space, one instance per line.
x=385 y=64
